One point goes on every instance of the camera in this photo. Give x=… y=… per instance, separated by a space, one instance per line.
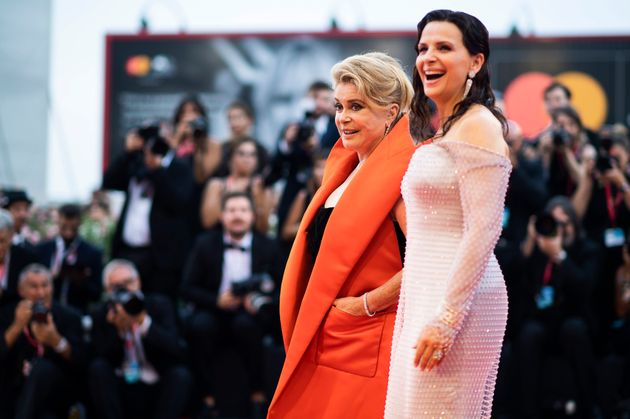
x=306 y=129
x=603 y=163
x=606 y=144
x=199 y=127
x=40 y=312
x=260 y=282
x=131 y=301
x=560 y=137
x=150 y=133
x=546 y=225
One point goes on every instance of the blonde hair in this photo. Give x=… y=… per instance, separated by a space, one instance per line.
x=378 y=77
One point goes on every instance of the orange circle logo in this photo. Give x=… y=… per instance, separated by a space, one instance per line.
x=138 y=65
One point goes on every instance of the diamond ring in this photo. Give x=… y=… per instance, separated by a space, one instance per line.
x=437 y=355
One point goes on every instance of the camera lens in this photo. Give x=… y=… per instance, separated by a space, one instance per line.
x=546 y=225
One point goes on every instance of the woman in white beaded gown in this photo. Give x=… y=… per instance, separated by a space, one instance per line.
x=452 y=310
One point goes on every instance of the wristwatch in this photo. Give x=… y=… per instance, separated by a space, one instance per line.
x=61 y=346
x=561 y=256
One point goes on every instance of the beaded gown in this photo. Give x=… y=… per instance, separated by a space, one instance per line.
x=454 y=194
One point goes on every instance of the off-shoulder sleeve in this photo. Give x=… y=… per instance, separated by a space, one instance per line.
x=482 y=178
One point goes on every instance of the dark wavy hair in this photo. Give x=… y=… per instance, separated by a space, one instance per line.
x=475 y=36
x=195 y=102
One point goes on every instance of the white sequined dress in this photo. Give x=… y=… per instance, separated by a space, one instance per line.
x=454 y=194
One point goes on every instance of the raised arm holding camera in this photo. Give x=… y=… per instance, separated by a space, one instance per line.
x=41 y=350
x=562 y=149
x=153 y=230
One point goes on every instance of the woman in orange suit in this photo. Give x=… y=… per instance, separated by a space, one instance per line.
x=342 y=280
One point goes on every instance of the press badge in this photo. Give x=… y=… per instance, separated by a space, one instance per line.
x=506 y=217
x=544 y=299
x=614 y=237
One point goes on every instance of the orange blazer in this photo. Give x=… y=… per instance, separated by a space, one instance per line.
x=337 y=364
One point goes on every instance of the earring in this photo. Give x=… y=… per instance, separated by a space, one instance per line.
x=469 y=82
x=386 y=129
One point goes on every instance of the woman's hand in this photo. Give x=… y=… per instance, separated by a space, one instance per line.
x=350 y=305
x=431 y=348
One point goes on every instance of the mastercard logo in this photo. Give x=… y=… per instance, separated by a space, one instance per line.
x=138 y=65
x=524 y=101
x=158 y=66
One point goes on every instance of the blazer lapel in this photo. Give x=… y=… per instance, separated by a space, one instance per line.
x=339 y=165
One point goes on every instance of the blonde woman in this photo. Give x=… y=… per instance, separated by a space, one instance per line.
x=342 y=279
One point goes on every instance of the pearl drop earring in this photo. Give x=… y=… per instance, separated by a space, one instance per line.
x=469 y=82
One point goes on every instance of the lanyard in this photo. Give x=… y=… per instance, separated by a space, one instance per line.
x=547 y=274
x=612 y=204
x=33 y=342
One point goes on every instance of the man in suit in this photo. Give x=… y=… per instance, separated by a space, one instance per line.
x=18 y=203
x=230 y=278
x=13 y=259
x=75 y=264
x=138 y=366
x=153 y=231
x=41 y=350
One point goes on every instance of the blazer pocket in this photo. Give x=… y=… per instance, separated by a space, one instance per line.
x=350 y=343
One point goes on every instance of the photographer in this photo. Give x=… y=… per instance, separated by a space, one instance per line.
x=242 y=177
x=190 y=138
x=192 y=143
x=41 y=350
x=138 y=367
x=562 y=149
x=559 y=267
x=293 y=160
x=153 y=230
x=230 y=279
x=74 y=263
x=602 y=199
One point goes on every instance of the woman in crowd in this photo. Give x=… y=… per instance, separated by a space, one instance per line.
x=243 y=161
x=342 y=279
x=190 y=138
x=453 y=302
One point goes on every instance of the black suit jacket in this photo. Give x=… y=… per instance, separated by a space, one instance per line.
x=204 y=268
x=162 y=345
x=170 y=230
x=68 y=323
x=81 y=277
x=331 y=135
x=20 y=257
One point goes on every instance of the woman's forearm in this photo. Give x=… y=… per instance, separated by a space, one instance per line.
x=386 y=295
